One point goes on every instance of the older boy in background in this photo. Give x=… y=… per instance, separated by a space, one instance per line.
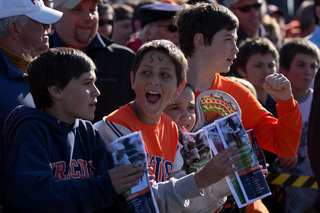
x=299 y=62
x=210 y=48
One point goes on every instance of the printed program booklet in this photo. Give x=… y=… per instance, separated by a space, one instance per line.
x=130 y=149
x=247 y=184
x=195 y=150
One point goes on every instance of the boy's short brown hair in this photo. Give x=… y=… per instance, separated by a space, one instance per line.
x=294 y=46
x=205 y=18
x=55 y=67
x=169 y=49
x=254 y=46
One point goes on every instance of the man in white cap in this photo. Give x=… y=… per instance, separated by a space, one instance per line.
x=23 y=31
x=78 y=28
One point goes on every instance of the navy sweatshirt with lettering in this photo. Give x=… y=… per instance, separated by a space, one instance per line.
x=55 y=167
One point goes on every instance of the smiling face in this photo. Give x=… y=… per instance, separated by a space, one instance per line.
x=155 y=83
x=182 y=110
x=78 y=98
x=78 y=26
x=34 y=36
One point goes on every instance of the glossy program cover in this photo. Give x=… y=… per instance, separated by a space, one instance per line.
x=130 y=149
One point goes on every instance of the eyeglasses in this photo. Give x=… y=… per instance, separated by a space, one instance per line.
x=104 y=22
x=247 y=8
x=171 y=27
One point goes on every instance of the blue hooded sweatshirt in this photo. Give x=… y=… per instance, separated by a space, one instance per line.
x=55 y=167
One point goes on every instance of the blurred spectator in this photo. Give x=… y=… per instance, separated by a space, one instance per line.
x=157 y=23
x=288 y=7
x=293 y=29
x=122 y=30
x=206 y=1
x=305 y=16
x=106 y=17
x=278 y=14
x=249 y=14
x=303 y=22
x=299 y=62
x=315 y=36
x=136 y=24
x=273 y=30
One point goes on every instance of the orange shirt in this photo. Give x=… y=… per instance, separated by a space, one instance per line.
x=280 y=136
x=160 y=139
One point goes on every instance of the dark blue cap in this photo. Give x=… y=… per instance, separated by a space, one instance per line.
x=154 y=12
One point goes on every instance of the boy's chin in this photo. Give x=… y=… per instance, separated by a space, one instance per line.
x=88 y=117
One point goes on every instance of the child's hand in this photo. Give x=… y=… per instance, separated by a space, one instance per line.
x=278 y=86
x=126 y=176
x=264 y=171
x=217 y=168
x=151 y=176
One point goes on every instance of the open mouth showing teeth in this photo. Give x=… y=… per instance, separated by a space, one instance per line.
x=153 y=97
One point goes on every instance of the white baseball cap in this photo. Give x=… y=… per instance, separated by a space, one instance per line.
x=34 y=9
x=69 y=3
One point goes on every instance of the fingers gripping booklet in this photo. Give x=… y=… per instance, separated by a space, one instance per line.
x=130 y=149
x=218 y=128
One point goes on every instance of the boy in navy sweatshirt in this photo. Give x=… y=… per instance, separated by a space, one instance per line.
x=56 y=162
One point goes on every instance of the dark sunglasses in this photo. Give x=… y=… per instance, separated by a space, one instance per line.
x=171 y=27
x=104 y=22
x=247 y=9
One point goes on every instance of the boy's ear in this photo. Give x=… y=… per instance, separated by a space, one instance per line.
x=132 y=80
x=198 y=41
x=55 y=92
x=242 y=73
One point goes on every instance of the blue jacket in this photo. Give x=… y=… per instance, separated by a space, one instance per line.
x=14 y=91
x=55 y=167
x=14 y=88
